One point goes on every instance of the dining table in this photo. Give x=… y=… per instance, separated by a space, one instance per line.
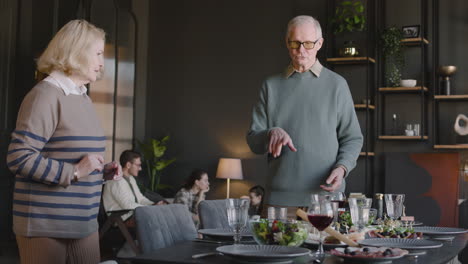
x=182 y=253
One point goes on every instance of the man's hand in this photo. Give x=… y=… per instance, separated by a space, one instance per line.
x=335 y=180
x=278 y=139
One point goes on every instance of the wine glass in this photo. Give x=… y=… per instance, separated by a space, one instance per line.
x=238 y=213
x=339 y=197
x=320 y=214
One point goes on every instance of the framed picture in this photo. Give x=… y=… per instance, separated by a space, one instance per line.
x=411 y=31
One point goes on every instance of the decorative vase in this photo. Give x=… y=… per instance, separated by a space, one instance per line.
x=349 y=49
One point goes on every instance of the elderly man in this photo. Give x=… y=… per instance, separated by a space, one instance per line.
x=305 y=120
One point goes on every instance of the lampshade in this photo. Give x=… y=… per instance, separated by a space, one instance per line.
x=229 y=169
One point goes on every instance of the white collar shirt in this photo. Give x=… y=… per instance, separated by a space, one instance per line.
x=59 y=79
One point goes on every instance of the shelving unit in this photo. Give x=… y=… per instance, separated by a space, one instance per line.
x=404 y=137
x=350 y=60
x=461 y=97
x=403 y=89
x=364 y=106
x=449 y=100
x=362 y=88
x=422 y=90
x=455 y=146
x=414 y=41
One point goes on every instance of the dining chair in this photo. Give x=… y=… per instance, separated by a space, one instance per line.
x=110 y=219
x=213 y=214
x=162 y=226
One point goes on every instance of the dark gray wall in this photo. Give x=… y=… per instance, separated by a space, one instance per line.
x=206 y=63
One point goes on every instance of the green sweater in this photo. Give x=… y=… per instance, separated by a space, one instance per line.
x=318 y=114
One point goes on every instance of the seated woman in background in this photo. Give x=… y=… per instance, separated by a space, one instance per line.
x=193 y=192
x=256 y=195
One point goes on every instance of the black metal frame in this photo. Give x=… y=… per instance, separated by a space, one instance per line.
x=372 y=28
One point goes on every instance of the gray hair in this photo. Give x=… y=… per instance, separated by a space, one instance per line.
x=301 y=20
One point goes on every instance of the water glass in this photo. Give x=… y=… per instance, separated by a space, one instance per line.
x=394 y=204
x=280 y=213
x=335 y=207
x=359 y=208
x=416 y=129
x=271 y=213
x=372 y=215
x=238 y=213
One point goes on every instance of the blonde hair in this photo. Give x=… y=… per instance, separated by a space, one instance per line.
x=301 y=20
x=68 y=51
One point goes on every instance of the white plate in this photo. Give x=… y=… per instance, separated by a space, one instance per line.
x=263 y=253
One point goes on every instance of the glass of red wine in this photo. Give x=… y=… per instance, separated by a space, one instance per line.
x=320 y=214
x=339 y=197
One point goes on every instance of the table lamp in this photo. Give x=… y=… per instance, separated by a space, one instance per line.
x=229 y=169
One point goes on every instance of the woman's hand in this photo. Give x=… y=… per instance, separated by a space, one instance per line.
x=203 y=191
x=88 y=164
x=112 y=171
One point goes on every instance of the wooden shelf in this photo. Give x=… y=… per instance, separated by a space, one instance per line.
x=402 y=89
x=402 y=137
x=363 y=154
x=414 y=41
x=451 y=97
x=350 y=60
x=363 y=106
x=455 y=146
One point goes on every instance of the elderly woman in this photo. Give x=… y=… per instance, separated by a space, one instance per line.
x=56 y=153
x=193 y=192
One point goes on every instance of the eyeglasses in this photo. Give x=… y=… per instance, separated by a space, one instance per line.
x=136 y=164
x=297 y=44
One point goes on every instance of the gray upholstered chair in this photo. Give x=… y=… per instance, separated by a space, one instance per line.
x=161 y=226
x=213 y=214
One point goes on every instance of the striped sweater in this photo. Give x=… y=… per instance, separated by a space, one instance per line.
x=53 y=132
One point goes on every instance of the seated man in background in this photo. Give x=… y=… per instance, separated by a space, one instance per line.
x=125 y=194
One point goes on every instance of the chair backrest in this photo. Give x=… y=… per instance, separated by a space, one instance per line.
x=161 y=226
x=213 y=214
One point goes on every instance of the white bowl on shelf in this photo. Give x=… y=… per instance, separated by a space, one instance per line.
x=408 y=83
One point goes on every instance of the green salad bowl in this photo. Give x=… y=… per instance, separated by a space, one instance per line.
x=279 y=232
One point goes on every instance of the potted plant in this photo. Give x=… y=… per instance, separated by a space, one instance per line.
x=349 y=16
x=153 y=157
x=393 y=55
